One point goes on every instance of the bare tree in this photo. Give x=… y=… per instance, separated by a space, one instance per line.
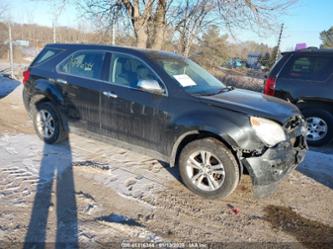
x=3 y=9
x=251 y=14
x=149 y=19
x=191 y=18
x=194 y=16
x=158 y=24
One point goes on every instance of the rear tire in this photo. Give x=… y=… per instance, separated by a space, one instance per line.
x=48 y=124
x=320 y=126
x=208 y=168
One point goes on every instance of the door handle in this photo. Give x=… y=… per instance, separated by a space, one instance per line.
x=110 y=95
x=61 y=81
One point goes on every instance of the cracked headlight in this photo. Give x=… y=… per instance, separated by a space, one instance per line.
x=268 y=131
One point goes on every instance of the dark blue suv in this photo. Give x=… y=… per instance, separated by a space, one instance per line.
x=305 y=78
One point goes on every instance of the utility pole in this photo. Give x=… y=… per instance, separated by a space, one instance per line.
x=11 y=60
x=114 y=27
x=279 y=43
x=113 y=33
x=54 y=32
x=56 y=12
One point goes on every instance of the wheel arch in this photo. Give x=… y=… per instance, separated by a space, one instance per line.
x=190 y=136
x=313 y=104
x=41 y=98
x=38 y=98
x=44 y=89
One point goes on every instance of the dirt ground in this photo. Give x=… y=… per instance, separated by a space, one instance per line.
x=90 y=194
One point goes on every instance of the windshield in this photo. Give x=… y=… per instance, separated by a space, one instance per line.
x=193 y=78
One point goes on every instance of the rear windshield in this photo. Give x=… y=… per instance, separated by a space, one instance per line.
x=44 y=55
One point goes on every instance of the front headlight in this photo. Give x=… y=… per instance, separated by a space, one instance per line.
x=268 y=131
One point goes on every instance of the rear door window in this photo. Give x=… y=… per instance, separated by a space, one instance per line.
x=87 y=64
x=315 y=68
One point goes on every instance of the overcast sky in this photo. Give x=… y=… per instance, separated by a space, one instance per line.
x=303 y=22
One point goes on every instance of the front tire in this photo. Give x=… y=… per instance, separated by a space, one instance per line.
x=320 y=126
x=47 y=123
x=208 y=168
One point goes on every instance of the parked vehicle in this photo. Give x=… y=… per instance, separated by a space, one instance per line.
x=5 y=72
x=305 y=78
x=166 y=106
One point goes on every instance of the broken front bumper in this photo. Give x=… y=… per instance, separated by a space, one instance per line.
x=274 y=164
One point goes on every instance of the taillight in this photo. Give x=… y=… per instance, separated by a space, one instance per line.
x=26 y=76
x=269 y=88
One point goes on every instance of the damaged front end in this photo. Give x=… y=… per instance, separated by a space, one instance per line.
x=269 y=166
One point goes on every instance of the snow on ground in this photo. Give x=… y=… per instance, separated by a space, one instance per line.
x=7 y=86
x=26 y=162
x=25 y=156
x=28 y=167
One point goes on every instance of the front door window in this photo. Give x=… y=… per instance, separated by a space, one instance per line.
x=128 y=71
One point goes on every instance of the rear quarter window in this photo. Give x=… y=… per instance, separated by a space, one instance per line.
x=45 y=55
x=279 y=64
x=314 y=68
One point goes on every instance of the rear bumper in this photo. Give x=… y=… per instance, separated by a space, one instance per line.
x=274 y=164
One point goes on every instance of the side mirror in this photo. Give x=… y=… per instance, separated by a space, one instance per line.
x=151 y=86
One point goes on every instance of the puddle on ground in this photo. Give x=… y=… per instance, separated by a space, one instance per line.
x=312 y=234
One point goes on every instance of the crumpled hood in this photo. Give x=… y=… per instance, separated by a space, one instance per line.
x=253 y=103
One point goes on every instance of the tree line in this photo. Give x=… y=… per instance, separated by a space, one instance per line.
x=212 y=49
x=198 y=28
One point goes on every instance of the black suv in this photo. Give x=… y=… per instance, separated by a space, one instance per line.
x=166 y=106
x=305 y=78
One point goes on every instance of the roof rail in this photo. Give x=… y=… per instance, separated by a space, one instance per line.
x=308 y=49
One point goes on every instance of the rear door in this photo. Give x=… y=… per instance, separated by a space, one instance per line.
x=80 y=75
x=305 y=76
x=128 y=113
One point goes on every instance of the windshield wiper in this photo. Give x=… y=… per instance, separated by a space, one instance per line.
x=221 y=90
x=225 y=89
